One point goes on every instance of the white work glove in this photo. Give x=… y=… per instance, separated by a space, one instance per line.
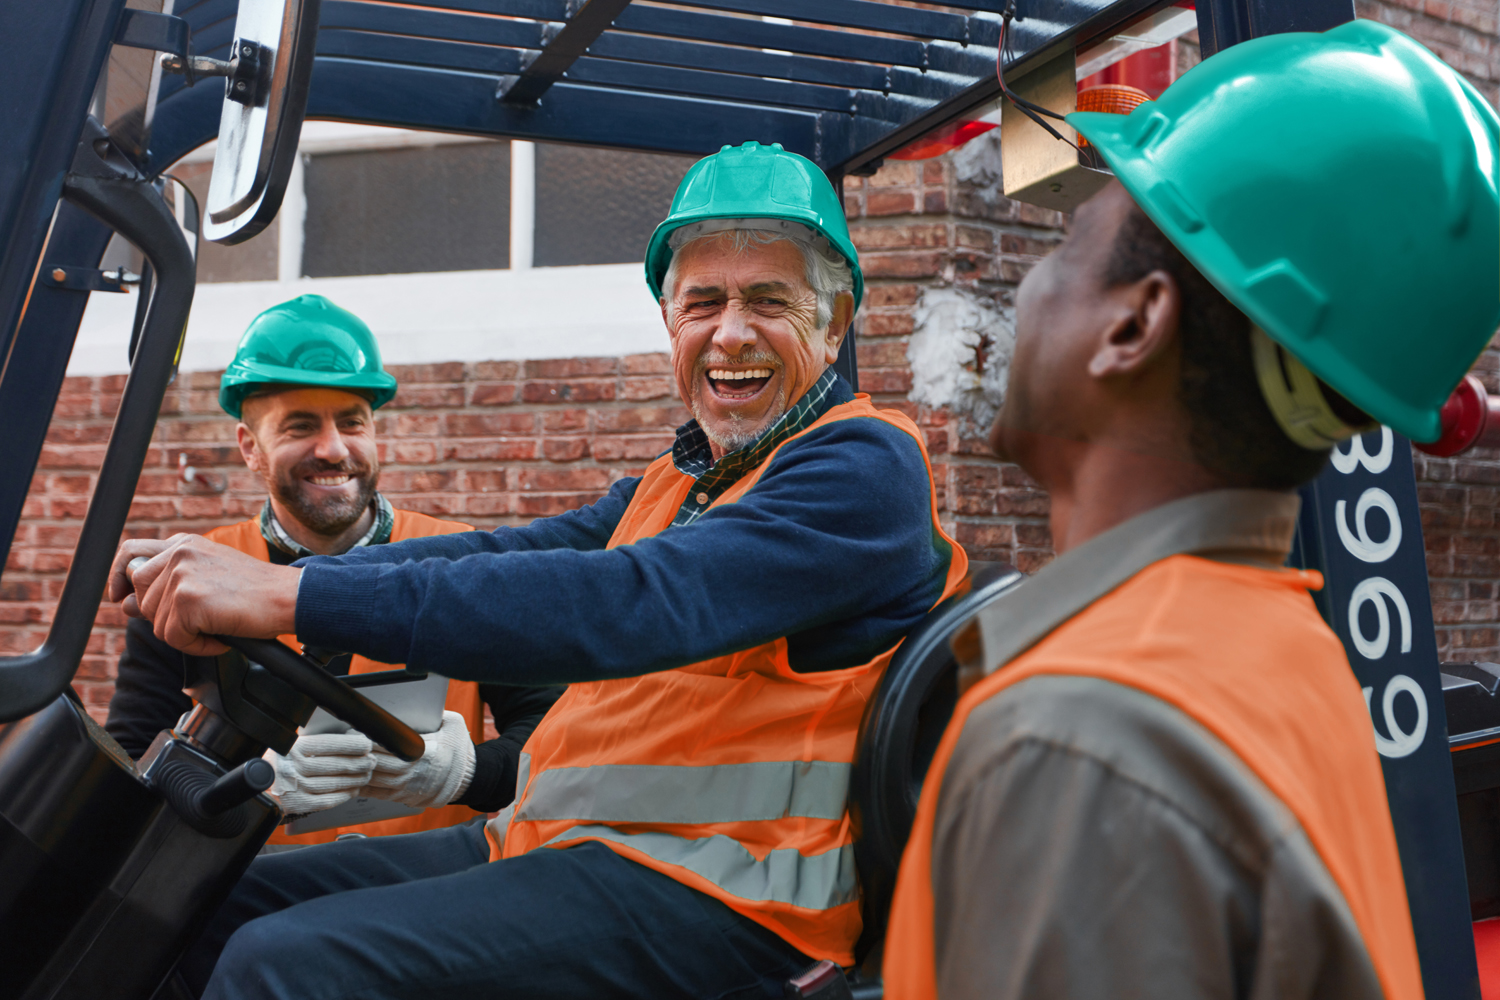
x=439 y=776
x=322 y=771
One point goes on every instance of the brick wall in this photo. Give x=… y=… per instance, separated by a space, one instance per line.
x=502 y=442
x=489 y=444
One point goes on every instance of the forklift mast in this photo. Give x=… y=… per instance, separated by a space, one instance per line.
x=686 y=77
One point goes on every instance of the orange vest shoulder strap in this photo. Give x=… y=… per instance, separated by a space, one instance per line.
x=859 y=406
x=243 y=537
x=657 y=499
x=410 y=524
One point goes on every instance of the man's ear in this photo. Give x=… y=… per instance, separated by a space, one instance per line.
x=249 y=448
x=838 y=326
x=1144 y=327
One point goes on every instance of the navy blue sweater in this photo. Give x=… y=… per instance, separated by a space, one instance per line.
x=833 y=548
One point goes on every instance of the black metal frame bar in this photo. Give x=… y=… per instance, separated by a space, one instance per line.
x=581 y=31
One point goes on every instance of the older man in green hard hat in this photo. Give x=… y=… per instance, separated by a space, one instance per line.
x=1162 y=781
x=304 y=384
x=681 y=826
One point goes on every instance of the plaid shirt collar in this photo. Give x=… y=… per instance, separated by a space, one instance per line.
x=692 y=456
x=276 y=536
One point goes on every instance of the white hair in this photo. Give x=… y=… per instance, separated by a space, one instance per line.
x=828 y=274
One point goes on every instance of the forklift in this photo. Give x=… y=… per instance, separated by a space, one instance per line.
x=109 y=866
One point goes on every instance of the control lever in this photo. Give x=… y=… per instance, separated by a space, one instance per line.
x=305 y=676
x=209 y=806
x=240 y=785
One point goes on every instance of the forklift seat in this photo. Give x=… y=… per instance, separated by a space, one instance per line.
x=897 y=739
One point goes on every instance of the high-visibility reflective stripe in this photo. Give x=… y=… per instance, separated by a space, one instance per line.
x=523 y=772
x=815 y=882
x=721 y=793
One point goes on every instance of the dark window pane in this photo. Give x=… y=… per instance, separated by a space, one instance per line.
x=599 y=206
x=398 y=211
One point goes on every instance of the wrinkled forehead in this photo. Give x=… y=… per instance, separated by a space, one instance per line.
x=736 y=260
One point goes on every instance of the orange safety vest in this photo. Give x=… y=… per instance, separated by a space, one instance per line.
x=463 y=696
x=1243 y=652
x=729 y=775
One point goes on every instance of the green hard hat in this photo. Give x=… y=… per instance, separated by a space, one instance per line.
x=1340 y=189
x=307 y=341
x=754 y=182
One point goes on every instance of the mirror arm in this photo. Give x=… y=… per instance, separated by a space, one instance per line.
x=106 y=187
x=243 y=70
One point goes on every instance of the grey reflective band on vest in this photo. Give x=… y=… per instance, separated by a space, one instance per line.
x=523 y=772
x=721 y=793
x=814 y=882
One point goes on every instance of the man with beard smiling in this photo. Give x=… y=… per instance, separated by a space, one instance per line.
x=681 y=826
x=304 y=384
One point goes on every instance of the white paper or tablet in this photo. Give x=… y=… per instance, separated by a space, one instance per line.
x=417 y=703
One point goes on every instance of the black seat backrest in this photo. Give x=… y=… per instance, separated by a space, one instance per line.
x=900 y=732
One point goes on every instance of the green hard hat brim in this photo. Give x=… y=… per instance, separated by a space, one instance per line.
x=248 y=378
x=1119 y=138
x=659 y=250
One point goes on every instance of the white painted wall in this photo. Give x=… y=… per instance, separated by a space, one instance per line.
x=522 y=313
x=548 y=312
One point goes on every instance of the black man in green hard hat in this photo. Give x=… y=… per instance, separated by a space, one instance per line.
x=1163 y=780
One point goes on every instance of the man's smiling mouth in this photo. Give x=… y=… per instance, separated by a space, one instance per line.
x=738 y=385
x=338 y=479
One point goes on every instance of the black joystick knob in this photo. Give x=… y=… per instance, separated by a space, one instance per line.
x=240 y=785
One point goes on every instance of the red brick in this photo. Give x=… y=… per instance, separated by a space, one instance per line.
x=569 y=368
x=556 y=480
x=417 y=424
x=880 y=353
x=496 y=450
x=546 y=505
x=928 y=263
x=489 y=424
x=478 y=481
x=568 y=449
x=641 y=389
x=895 y=173
x=430 y=396
x=70 y=484
x=886 y=324
x=640 y=418
x=445 y=505
x=564 y=420
x=484 y=370
x=590 y=391
x=415 y=452
x=927 y=234
x=647 y=364
x=491 y=504
x=494 y=394
x=885 y=380
x=877 y=296
x=890 y=203
x=448 y=371
x=615 y=448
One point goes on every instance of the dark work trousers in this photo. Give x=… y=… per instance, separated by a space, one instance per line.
x=426 y=915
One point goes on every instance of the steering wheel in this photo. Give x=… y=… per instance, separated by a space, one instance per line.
x=339 y=699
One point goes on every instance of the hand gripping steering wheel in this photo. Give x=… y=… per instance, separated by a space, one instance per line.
x=337 y=698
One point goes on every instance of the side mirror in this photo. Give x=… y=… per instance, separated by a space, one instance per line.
x=265 y=95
